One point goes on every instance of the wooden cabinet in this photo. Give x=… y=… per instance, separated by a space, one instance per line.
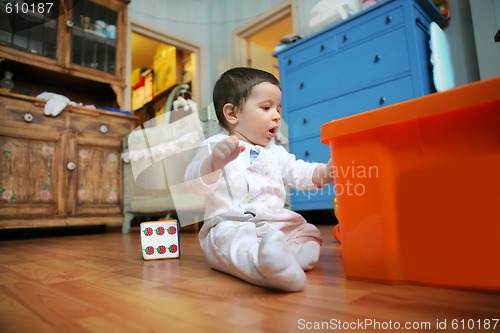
x=375 y=58
x=59 y=171
x=84 y=39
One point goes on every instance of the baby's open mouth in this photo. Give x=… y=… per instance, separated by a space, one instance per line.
x=273 y=131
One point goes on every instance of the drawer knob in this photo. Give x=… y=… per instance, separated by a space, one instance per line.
x=301 y=86
x=345 y=38
x=103 y=129
x=289 y=61
x=322 y=47
x=304 y=121
x=381 y=100
x=28 y=117
x=377 y=58
x=70 y=166
x=388 y=19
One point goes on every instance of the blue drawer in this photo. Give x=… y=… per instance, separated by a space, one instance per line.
x=309 y=84
x=315 y=199
x=308 y=121
x=355 y=68
x=358 y=31
x=311 y=150
x=311 y=50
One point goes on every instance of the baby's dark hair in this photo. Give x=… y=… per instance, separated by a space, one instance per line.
x=235 y=85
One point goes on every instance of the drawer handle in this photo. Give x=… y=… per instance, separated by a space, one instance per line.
x=377 y=58
x=289 y=61
x=301 y=86
x=103 y=129
x=345 y=38
x=28 y=117
x=306 y=153
x=322 y=48
x=71 y=166
x=388 y=19
x=304 y=121
x=381 y=100
x=419 y=23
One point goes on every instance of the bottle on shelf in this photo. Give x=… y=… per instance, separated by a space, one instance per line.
x=6 y=83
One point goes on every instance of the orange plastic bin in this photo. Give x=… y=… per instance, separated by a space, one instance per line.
x=418 y=189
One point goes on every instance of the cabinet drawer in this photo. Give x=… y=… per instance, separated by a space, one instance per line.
x=353 y=34
x=314 y=199
x=309 y=51
x=309 y=84
x=311 y=150
x=307 y=122
x=355 y=68
x=102 y=125
x=377 y=60
x=19 y=112
x=314 y=151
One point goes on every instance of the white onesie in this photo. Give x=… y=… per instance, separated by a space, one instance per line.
x=247 y=232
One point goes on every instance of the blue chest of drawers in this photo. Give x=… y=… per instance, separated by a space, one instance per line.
x=376 y=58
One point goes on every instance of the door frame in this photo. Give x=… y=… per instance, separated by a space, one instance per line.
x=240 y=47
x=156 y=33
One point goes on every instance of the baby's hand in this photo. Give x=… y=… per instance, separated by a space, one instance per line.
x=323 y=174
x=225 y=151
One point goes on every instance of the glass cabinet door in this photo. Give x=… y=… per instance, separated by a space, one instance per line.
x=29 y=26
x=93 y=36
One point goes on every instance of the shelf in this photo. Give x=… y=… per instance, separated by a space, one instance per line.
x=93 y=36
x=147 y=111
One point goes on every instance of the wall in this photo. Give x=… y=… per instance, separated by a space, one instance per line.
x=486 y=21
x=461 y=41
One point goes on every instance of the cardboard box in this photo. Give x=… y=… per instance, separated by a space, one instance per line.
x=144 y=91
x=417 y=187
x=160 y=239
x=164 y=67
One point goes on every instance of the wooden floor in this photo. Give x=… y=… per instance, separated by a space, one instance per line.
x=99 y=283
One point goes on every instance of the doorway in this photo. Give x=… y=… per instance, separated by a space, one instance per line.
x=183 y=59
x=255 y=41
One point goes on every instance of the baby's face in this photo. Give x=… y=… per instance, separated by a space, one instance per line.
x=259 y=116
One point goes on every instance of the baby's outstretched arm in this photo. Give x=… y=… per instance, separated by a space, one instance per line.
x=323 y=174
x=224 y=152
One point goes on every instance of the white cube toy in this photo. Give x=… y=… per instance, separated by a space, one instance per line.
x=160 y=239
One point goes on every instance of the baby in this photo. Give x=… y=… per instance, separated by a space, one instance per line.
x=247 y=232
